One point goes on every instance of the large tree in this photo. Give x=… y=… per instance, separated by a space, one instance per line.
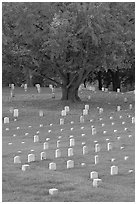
x=64 y=42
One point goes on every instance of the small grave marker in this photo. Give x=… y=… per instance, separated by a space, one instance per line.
x=96 y=159
x=85 y=150
x=31 y=158
x=72 y=142
x=61 y=121
x=6 y=120
x=97 y=182
x=57 y=153
x=25 y=167
x=114 y=170
x=17 y=160
x=53 y=191
x=52 y=166
x=16 y=113
x=118 y=108
x=45 y=145
x=36 y=138
x=41 y=114
x=93 y=175
x=42 y=155
x=81 y=119
x=70 y=152
x=109 y=146
x=70 y=164
x=130 y=106
x=97 y=147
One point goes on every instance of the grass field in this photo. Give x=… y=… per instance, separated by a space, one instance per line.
x=74 y=185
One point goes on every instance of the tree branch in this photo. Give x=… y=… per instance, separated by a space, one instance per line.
x=53 y=80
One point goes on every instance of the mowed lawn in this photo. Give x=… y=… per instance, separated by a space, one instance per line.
x=73 y=184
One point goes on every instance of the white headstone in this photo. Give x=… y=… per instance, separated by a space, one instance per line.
x=93 y=130
x=72 y=142
x=66 y=108
x=81 y=119
x=70 y=164
x=41 y=114
x=53 y=191
x=125 y=100
x=52 y=166
x=58 y=143
x=36 y=138
x=63 y=113
x=42 y=155
x=57 y=153
x=16 y=113
x=6 y=120
x=109 y=146
x=100 y=110
x=85 y=150
x=114 y=170
x=45 y=145
x=70 y=152
x=96 y=159
x=103 y=124
x=118 y=90
x=25 y=167
x=133 y=119
x=85 y=112
x=118 y=108
x=97 y=147
x=31 y=158
x=103 y=89
x=61 y=121
x=17 y=160
x=87 y=107
x=93 y=175
x=130 y=106
x=97 y=182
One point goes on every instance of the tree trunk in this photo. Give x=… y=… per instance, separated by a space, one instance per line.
x=70 y=94
x=115 y=80
x=99 y=81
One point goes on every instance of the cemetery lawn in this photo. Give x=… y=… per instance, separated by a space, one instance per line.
x=74 y=185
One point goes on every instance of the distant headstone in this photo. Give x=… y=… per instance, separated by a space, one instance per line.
x=53 y=191
x=93 y=175
x=72 y=142
x=17 y=160
x=118 y=90
x=70 y=152
x=130 y=106
x=66 y=108
x=81 y=119
x=31 y=158
x=25 y=87
x=25 y=167
x=45 y=145
x=85 y=112
x=97 y=182
x=52 y=166
x=6 y=120
x=42 y=155
x=61 y=121
x=93 y=130
x=103 y=89
x=36 y=138
x=16 y=113
x=85 y=150
x=96 y=159
x=114 y=170
x=118 y=108
x=97 y=147
x=57 y=153
x=133 y=119
x=70 y=164
x=41 y=114
x=87 y=107
x=63 y=113
x=58 y=143
x=109 y=146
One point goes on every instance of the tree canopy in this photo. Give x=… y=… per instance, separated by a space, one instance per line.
x=65 y=41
